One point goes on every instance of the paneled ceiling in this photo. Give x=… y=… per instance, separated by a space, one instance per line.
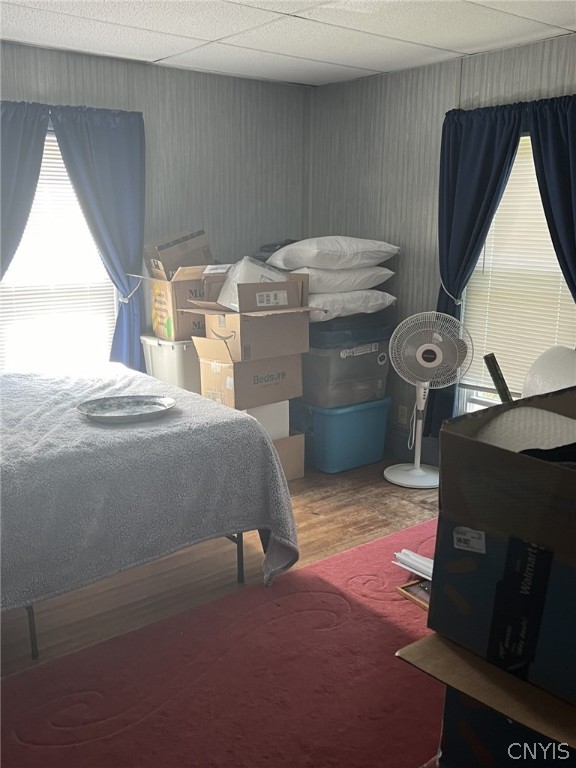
x=311 y=42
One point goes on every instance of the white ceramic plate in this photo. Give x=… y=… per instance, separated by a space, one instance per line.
x=124 y=409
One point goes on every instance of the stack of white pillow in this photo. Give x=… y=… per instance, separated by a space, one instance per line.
x=343 y=273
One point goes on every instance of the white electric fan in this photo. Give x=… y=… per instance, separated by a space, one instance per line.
x=430 y=350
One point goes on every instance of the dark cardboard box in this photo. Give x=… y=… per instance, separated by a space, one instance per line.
x=504 y=581
x=551 y=719
x=476 y=736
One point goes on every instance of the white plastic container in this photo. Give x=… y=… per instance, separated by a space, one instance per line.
x=175 y=362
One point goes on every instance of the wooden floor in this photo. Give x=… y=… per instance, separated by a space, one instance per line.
x=333 y=513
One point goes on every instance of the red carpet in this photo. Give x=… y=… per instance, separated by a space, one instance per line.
x=298 y=675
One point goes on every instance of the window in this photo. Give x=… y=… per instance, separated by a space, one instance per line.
x=517 y=303
x=57 y=304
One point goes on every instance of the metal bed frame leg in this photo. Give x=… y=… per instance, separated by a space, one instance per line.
x=238 y=539
x=32 y=631
x=264 y=538
x=240 y=557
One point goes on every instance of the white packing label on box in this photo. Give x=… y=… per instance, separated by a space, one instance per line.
x=361 y=349
x=469 y=540
x=272 y=299
x=229 y=383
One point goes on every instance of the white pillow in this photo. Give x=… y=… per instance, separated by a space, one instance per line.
x=341 y=280
x=333 y=252
x=350 y=303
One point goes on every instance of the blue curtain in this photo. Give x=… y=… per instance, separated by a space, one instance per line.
x=552 y=126
x=103 y=151
x=23 y=129
x=476 y=156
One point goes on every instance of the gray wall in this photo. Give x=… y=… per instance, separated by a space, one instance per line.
x=253 y=162
x=224 y=154
x=375 y=151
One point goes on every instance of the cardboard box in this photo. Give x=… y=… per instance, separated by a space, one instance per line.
x=168 y=296
x=504 y=581
x=255 y=333
x=185 y=249
x=291 y=454
x=248 y=270
x=258 y=335
x=474 y=736
x=256 y=297
x=247 y=384
x=274 y=418
x=548 y=716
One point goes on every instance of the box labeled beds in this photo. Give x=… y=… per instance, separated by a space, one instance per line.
x=246 y=384
x=505 y=561
x=185 y=249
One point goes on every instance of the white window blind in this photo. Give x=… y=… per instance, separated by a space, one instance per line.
x=57 y=304
x=517 y=303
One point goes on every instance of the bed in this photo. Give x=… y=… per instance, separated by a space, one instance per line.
x=83 y=500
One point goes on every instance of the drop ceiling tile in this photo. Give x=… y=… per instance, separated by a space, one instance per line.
x=559 y=13
x=450 y=24
x=200 y=19
x=281 y=6
x=244 y=62
x=55 y=30
x=322 y=42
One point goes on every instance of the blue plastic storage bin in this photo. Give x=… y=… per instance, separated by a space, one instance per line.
x=338 y=439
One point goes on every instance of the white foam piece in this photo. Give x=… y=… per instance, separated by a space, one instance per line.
x=524 y=428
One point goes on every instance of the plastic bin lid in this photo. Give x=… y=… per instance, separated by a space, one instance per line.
x=328 y=339
x=382 y=403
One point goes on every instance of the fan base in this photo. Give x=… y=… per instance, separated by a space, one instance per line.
x=408 y=476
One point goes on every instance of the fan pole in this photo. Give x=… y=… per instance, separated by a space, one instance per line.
x=415 y=475
x=421 y=396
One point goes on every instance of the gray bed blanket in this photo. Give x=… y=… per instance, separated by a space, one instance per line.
x=81 y=500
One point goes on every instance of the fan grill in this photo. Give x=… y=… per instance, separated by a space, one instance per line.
x=431 y=348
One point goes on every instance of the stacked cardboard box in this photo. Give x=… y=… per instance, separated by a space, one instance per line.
x=502 y=596
x=252 y=357
x=176 y=267
x=505 y=560
x=176 y=275
x=492 y=718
